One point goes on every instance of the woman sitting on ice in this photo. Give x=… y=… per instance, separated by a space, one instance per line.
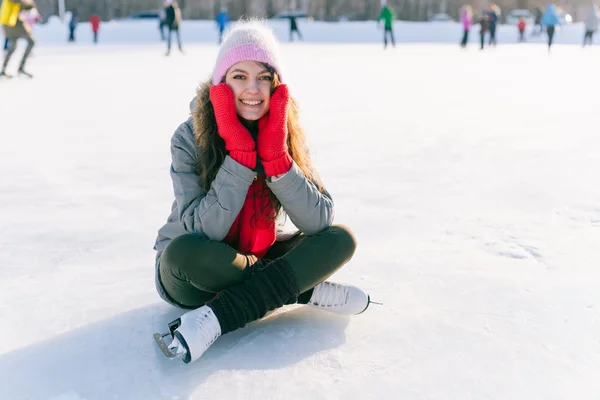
x=238 y=164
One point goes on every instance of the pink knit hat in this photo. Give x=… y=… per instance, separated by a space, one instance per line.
x=247 y=41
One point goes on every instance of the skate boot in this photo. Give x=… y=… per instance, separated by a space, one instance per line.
x=24 y=73
x=339 y=298
x=3 y=74
x=197 y=330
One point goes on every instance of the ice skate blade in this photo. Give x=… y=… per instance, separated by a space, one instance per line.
x=164 y=348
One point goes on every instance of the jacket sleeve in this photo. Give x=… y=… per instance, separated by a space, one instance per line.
x=308 y=208
x=208 y=213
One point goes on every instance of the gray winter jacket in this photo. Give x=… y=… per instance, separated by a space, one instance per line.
x=211 y=214
x=591 y=20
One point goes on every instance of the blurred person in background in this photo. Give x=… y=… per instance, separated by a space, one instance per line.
x=294 y=28
x=14 y=29
x=466 y=19
x=538 y=22
x=387 y=15
x=30 y=18
x=72 y=26
x=222 y=22
x=493 y=17
x=173 y=21
x=162 y=22
x=549 y=21
x=591 y=24
x=95 y=24
x=521 y=27
x=483 y=28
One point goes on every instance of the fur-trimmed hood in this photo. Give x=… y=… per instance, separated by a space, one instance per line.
x=202 y=111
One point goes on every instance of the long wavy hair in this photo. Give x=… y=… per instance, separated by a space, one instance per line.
x=210 y=147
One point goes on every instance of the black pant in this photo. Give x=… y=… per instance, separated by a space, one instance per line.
x=521 y=35
x=171 y=30
x=465 y=38
x=297 y=33
x=550 y=31
x=71 y=34
x=389 y=32
x=589 y=36
x=492 y=35
x=6 y=44
x=482 y=39
x=193 y=269
x=95 y=37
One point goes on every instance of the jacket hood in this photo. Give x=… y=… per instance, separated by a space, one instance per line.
x=201 y=111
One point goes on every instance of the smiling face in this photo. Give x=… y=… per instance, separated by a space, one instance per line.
x=251 y=84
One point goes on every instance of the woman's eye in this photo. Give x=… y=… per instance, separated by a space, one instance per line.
x=266 y=78
x=238 y=77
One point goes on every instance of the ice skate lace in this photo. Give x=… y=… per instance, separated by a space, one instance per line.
x=329 y=294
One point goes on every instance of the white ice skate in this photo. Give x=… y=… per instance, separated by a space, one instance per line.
x=339 y=298
x=192 y=335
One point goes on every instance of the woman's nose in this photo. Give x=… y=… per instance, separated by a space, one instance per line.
x=252 y=85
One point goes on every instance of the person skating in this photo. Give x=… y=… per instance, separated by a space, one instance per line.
x=239 y=163
x=493 y=17
x=173 y=22
x=72 y=27
x=222 y=22
x=483 y=28
x=294 y=29
x=538 y=27
x=387 y=14
x=95 y=21
x=549 y=21
x=30 y=18
x=14 y=29
x=521 y=25
x=591 y=24
x=466 y=19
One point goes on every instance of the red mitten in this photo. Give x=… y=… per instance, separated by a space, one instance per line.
x=273 y=134
x=237 y=139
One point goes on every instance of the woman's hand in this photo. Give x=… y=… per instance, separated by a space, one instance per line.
x=237 y=139
x=273 y=134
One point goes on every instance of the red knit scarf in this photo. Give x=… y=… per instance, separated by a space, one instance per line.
x=253 y=231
